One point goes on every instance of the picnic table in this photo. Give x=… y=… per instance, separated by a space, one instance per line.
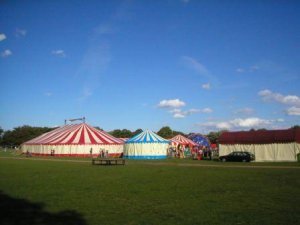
x=108 y=161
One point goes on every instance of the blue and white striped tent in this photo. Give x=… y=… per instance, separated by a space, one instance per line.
x=146 y=145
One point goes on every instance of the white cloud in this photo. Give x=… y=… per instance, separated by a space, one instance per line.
x=293 y=111
x=185 y=1
x=240 y=70
x=20 y=32
x=254 y=68
x=249 y=122
x=178 y=113
x=223 y=125
x=2 y=37
x=59 y=52
x=104 y=29
x=268 y=95
x=216 y=125
x=6 y=53
x=172 y=103
x=48 y=94
x=244 y=111
x=238 y=123
x=206 y=86
x=194 y=64
x=175 y=111
x=248 y=69
x=206 y=110
x=86 y=93
x=265 y=93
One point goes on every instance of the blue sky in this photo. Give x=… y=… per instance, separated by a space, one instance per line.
x=196 y=66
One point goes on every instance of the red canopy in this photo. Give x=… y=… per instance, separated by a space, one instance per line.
x=179 y=139
x=261 y=137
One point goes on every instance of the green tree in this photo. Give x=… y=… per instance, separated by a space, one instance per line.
x=126 y=133
x=22 y=134
x=1 y=133
x=138 y=131
x=178 y=132
x=115 y=133
x=98 y=128
x=121 y=133
x=214 y=136
x=165 y=132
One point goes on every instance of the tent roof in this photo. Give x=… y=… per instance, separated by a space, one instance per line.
x=260 y=137
x=75 y=134
x=124 y=139
x=179 y=139
x=199 y=139
x=147 y=137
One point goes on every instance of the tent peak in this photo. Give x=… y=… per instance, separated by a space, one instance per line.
x=72 y=120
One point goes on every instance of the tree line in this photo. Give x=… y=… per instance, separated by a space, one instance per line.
x=21 y=134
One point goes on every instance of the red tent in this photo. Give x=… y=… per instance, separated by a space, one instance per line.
x=179 y=139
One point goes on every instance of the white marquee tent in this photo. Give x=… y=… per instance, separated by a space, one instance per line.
x=266 y=145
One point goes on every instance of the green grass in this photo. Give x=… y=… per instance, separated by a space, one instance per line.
x=156 y=192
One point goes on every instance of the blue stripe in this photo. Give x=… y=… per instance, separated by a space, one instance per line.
x=152 y=138
x=145 y=142
x=147 y=137
x=145 y=157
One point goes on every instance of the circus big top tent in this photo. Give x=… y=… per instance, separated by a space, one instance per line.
x=74 y=140
x=146 y=145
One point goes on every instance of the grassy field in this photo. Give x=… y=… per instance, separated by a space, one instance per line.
x=35 y=191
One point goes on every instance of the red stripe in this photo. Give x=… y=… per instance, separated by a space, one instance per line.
x=103 y=141
x=73 y=137
x=113 y=155
x=57 y=136
x=53 y=136
x=182 y=140
x=102 y=133
x=93 y=141
x=81 y=139
x=43 y=136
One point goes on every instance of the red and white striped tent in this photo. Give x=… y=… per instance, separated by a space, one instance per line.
x=74 y=140
x=124 y=139
x=179 y=139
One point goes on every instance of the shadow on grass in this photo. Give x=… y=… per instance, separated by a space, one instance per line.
x=15 y=211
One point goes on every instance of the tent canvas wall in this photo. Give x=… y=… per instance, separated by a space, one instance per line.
x=74 y=140
x=146 y=145
x=266 y=145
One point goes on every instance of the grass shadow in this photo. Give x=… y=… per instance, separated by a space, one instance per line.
x=15 y=211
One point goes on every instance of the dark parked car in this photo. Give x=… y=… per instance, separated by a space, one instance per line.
x=238 y=157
